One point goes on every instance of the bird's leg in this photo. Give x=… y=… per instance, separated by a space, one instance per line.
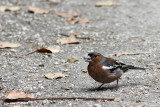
x=100 y=86
x=117 y=84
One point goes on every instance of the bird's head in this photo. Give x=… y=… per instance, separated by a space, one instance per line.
x=94 y=57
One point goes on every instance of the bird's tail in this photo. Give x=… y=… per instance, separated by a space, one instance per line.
x=127 y=67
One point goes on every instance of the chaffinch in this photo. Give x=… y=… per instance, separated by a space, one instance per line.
x=106 y=70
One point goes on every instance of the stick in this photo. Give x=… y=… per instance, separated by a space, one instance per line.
x=20 y=56
x=75 y=36
x=59 y=98
x=126 y=53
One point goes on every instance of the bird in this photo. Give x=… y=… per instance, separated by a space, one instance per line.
x=106 y=70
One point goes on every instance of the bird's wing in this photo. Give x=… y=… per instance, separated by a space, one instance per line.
x=112 y=65
x=116 y=67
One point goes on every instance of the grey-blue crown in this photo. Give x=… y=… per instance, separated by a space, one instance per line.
x=94 y=53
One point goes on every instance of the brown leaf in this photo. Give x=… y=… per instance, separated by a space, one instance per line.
x=37 y=10
x=48 y=50
x=55 y=75
x=68 y=14
x=84 y=70
x=9 y=45
x=107 y=3
x=43 y=50
x=83 y=21
x=75 y=20
x=148 y=85
x=72 y=20
x=72 y=60
x=158 y=66
x=69 y=40
x=5 y=8
x=18 y=95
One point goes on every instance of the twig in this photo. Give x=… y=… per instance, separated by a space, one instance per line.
x=126 y=53
x=75 y=36
x=59 y=98
x=84 y=38
x=20 y=56
x=64 y=34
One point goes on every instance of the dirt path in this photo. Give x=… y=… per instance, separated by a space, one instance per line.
x=130 y=27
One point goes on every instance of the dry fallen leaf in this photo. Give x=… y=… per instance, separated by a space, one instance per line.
x=9 y=45
x=158 y=66
x=68 y=14
x=69 y=40
x=55 y=75
x=117 y=99
x=72 y=20
x=83 y=21
x=148 y=85
x=107 y=3
x=72 y=60
x=42 y=50
x=5 y=8
x=18 y=95
x=37 y=10
x=54 y=50
x=75 y=20
x=48 y=50
x=84 y=70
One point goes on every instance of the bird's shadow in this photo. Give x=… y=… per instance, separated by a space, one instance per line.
x=112 y=87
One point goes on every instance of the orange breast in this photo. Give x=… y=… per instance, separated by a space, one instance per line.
x=102 y=76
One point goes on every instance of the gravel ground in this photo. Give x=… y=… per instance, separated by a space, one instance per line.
x=131 y=27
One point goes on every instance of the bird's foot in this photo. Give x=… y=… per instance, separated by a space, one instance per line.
x=100 y=86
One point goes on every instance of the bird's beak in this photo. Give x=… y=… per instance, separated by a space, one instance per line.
x=88 y=59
